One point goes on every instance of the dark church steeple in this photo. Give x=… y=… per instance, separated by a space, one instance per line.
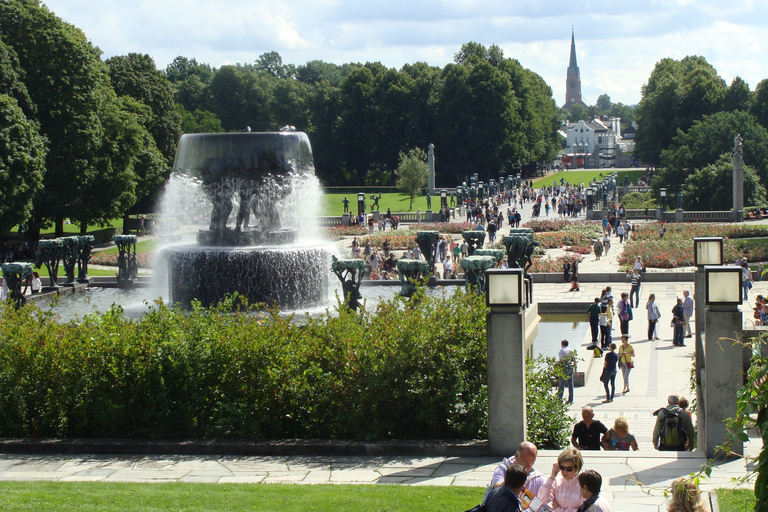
x=573 y=79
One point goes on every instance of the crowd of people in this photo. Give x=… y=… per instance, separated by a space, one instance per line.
x=569 y=487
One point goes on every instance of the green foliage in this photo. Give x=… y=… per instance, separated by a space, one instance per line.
x=199 y=121
x=548 y=421
x=705 y=142
x=752 y=413
x=135 y=75
x=711 y=188
x=639 y=200
x=677 y=94
x=411 y=370
x=412 y=173
x=138 y=497
x=22 y=163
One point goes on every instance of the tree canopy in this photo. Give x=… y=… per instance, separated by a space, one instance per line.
x=412 y=173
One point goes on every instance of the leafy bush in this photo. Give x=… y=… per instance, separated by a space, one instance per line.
x=410 y=369
x=548 y=420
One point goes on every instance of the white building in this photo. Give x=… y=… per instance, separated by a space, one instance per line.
x=584 y=137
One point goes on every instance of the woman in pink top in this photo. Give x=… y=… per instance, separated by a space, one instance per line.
x=563 y=491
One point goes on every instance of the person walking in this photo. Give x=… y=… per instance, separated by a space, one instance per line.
x=635 y=276
x=567 y=361
x=594 y=320
x=609 y=373
x=687 y=312
x=678 y=322
x=626 y=361
x=598 y=248
x=653 y=317
x=625 y=313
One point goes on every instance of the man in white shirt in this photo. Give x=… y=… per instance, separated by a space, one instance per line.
x=525 y=455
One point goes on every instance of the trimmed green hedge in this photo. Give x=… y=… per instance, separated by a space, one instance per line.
x=411 y=370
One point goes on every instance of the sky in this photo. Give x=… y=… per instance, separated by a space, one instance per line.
x=617 y=43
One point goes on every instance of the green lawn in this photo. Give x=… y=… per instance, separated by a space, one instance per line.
x=397 y=201
x=93 y=272
x=122 y=497
x=736 y=500
x=586 y=176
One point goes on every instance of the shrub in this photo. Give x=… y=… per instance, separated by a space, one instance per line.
x=409 y=369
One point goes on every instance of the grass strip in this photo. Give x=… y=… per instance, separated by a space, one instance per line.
x=736 y=500
x=182 y=497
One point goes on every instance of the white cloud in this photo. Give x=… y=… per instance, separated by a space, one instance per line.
x=618 y=44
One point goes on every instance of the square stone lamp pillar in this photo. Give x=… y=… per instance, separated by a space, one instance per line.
x=723 y=375
x=707 y=251
x=505 y=328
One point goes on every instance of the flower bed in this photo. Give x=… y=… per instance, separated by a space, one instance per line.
x=445 y=227
x=144 y=259
x=676 y=248
x=338 y=232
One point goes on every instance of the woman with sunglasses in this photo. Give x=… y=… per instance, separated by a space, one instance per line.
x=562 y=490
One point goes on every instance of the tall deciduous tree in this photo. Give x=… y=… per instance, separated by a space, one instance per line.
x=22 y=163
x=480 y=129
x=677 y=94
x=135 y=75
x=711 y=187
x=65 y=77
x=412 y=173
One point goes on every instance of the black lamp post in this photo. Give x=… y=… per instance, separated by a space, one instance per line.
x=361 y=203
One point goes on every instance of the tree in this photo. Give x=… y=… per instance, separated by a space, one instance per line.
x=677 y=94
x=22 y=163
x=65 y=79
x=706 y=140
x=479 y=125
x=603 y=102
x=272 y=64
x=412 y=173
x=183 y=68
x=759 y=104
x=711 y=187
x=135 y=75
x=199 y=121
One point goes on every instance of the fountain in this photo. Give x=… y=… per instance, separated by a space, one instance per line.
x=257 y=253
x=15 y=274
x=350 y=273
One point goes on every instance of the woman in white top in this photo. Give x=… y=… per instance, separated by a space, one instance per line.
x=653 y=317
x=37 y=285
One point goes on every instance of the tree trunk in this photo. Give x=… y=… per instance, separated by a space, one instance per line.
x=59 y=224
x=126 y=219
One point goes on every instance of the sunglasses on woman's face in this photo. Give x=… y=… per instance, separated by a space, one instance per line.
x=567 y=469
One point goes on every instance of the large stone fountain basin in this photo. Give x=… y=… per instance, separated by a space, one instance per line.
x=289 y=277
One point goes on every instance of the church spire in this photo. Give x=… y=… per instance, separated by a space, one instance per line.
x=573 y=79
x=572 y=62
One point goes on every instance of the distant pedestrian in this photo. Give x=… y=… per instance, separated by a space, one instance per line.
x=567 y=362
x=598 y=248
x=653 y=317
x=609 y=373
x=678 y=323
x=662 y=230
x=626 y=361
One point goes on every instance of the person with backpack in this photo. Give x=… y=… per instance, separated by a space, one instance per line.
x=674 y=427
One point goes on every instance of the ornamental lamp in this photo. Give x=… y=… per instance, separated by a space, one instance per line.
x=708 y=251
x=722 y=285
x=504 y=287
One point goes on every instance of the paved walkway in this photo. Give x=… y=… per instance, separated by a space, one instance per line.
x=632 y=481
